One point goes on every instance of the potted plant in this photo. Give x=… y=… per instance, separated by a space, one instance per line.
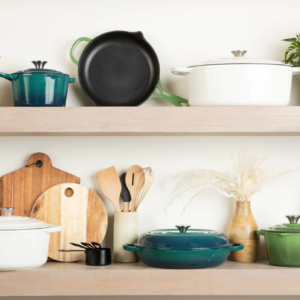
x=247 y=179
x=292 y=54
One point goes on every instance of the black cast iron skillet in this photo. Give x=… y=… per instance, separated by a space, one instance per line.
x=120 y=68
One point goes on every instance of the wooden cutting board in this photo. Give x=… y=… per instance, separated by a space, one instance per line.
x=21 y=188
x=80 y=212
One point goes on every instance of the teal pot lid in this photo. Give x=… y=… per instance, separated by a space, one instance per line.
x=182 y=238
x=39 y=69
x=291 y=227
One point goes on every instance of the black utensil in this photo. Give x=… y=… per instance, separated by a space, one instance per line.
x=98 y=257
x=125 y=194
x=96 y=245
x=80 y=246
x=120 y=68
x=87 y=245
x=71 y=250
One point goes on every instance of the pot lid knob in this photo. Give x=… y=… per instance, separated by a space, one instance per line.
x=7 y=211
x=293 y=219
x=239 y=53
x=39 y=64
x=183 y=228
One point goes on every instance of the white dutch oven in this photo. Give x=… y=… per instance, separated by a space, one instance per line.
x=24 y=241
x=239 y=81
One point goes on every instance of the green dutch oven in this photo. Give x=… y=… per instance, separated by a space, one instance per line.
x=182 y=248
x=283 y=243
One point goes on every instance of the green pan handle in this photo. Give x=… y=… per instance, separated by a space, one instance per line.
x=173 y=99
x=260 y=232
x=77 y=42
x=9 y=77
x=72 y=80
x=236 y=247
x=130 y=247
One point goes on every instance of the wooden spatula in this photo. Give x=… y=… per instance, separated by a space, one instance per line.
x=110 y=185
x=132 y=181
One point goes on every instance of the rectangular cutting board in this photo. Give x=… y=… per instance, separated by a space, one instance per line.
x=22 y=188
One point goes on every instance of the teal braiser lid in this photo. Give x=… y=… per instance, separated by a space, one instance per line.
x=182 y=238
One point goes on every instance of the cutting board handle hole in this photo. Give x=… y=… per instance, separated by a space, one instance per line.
x=69 y=192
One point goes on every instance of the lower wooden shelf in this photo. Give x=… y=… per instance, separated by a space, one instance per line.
x=77 y=279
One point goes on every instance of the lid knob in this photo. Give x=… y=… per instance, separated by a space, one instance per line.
x=238 y=53
x=183 y=228
x=39 y=64
x=293 y=219
x=7 y=211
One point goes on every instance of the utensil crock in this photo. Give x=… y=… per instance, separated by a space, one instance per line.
x=125 y=232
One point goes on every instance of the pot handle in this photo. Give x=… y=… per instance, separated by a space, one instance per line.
x=260 y=232
x=9 y=77
x=236 y=247
x=130 y=247
x=53 y=229
x=72 y=80
x=296 y=71
x=181 y=71
x=77 y=42
x=173 y=99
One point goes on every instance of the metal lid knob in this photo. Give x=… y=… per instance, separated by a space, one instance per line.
x=183 y=228
x=239 y=53
x=39 y=64
x=293 y=219
x=7 y=211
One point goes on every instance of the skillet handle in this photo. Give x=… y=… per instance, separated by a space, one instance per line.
x=77 y=42
x=173 y=99
x=130 y=247
x=236 y=247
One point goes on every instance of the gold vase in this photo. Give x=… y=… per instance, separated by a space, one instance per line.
x=242 y=229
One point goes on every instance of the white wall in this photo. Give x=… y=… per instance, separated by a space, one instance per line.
x=183 y=32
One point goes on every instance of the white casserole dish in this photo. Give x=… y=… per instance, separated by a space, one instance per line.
x=24 y=241
x=239 y=81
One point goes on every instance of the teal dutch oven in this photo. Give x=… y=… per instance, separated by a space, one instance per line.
x=183 y=248
x=39 y=86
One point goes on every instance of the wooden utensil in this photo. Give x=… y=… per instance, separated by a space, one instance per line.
x=131 y=180
x=147 y=176
x=82 y=216
x=21 y=188
x=125 y=194
x=110 y=185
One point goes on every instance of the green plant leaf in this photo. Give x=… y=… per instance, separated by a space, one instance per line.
x=290 y=40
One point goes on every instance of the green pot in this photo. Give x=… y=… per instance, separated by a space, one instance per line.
x=283 y=243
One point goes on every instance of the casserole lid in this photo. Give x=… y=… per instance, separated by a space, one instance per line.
x=291 y=227
x=10 y=222
x=39 y=69
x=240 y=59
x=182 y=238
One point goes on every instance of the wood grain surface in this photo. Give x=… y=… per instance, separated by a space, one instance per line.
x=21 y=188
x=136 y=279
x=242 y=120
x=82 y=216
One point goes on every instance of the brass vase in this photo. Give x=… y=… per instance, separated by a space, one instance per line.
x=242 y=229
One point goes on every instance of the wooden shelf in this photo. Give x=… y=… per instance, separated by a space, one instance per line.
x=121 y=121
x=70 y=279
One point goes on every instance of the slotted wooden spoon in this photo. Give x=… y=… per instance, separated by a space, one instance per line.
x=132 y=182
x=110 y=185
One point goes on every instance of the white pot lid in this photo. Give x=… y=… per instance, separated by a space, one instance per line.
x=240 y=59
x=10 y=222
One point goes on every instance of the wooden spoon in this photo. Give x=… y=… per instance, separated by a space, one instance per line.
x=132 y=181
x=110 y=185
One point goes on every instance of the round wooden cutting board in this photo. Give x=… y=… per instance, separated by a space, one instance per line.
x=79 y=211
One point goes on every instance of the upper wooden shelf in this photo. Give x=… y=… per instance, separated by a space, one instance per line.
x=260 y=120
x=77 y=279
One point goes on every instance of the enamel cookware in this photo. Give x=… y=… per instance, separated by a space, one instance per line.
x=238 y=81
x=120 y=68
x=283 y=243
x=24 y=241
x=182 y=248
x=39 y=86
